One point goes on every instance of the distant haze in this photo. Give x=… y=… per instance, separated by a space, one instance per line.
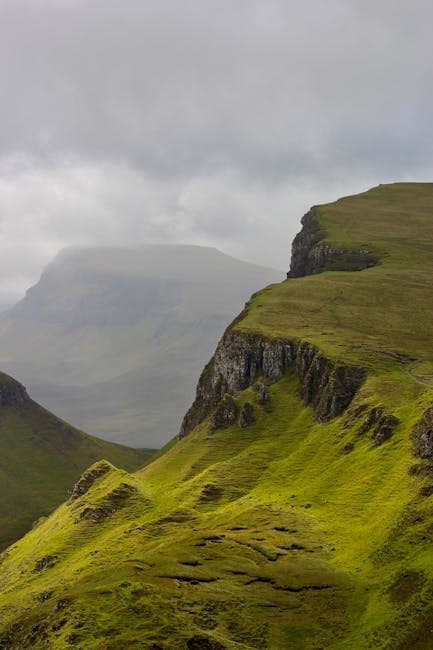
x=202 y=122
x=114 y=339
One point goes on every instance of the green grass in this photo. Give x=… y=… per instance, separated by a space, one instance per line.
x=40 y=459
x=296 y=545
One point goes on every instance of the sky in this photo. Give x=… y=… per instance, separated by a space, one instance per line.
x=212 y=122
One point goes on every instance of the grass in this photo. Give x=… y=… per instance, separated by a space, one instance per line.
x=41 y=457
x=268 y=536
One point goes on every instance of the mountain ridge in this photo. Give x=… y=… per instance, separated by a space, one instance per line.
x=282 y=529
x=40 y=455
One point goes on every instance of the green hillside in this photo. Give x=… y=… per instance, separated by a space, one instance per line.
x=296 y=510
x=40 y=458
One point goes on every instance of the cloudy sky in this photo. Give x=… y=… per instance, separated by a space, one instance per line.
x=201 y=121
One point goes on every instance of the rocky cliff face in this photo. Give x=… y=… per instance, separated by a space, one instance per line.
x=238 y=362
x=328 y=386
x=12 y=393
x=422 y=435
x=243 y=359
x=310 y=256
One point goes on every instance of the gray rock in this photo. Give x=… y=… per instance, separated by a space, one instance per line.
x=225 y=413
x=329 y=387
x=246 y=417
x=262 y=392
x=309 y=256
x=243 y=359
x=422 y=435
x=383 y=422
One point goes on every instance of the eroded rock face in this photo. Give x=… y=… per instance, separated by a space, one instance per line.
x=87 y=479
x=239 y=360
x=246 y=417
x=310 y=256
x=423 y=435
x=225 y=413
x=12 y=393
x=382 y=423
x=242 y=360
x=105 y=507
x=47 y=562
x=329 y=387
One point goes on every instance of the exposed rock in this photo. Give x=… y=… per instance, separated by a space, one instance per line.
x=246 y=417
x=225 y=413
x=87 y=479
x=421 y=469
x=426 y=491
x=347 y=448
x=112 y=502
x=262 y=392
x=12 y=393
x=61 y=604
x=383 y=422
x=44 y=595
x=71 y=637
x=203 y=643
x=384 y=429
x=309 y=256
x=210 y=492
x=241 y=359
x=423 y=435
x=47 y=562
x=59 y=624
x=329 y=387
x=353 y=414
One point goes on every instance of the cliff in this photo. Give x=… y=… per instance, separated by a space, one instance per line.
x=299 y=513
x=242 y=359
x=311 y=255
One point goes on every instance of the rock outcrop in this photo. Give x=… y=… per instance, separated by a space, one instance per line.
x=382 y=423
x=246 y=417
x=310 y=256
x=243 y=359
x=225 y=413
x=12 y=393
x=239 y=360
x=328 y=386
x=88 y=478
x=423 y=435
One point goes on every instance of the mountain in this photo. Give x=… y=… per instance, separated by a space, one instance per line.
x=40 y=458
x=112 y=339
x=295 y=510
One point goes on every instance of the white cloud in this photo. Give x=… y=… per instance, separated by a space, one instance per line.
x=201 y=121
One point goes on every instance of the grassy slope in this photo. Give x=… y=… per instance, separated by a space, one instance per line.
x=296 y=545
x=40 y=459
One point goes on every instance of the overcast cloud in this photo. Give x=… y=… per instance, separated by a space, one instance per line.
x=212 y=122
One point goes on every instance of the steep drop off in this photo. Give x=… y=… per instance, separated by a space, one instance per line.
x=296 y=510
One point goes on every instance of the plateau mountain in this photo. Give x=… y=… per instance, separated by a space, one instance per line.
x=112 y=339
x=295 y=510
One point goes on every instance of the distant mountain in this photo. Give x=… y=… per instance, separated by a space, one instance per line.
x=113 y=339
x=40 y=458
x=296 y=511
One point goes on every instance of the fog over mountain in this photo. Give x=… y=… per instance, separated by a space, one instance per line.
x=203 y=122
x=113 y=339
